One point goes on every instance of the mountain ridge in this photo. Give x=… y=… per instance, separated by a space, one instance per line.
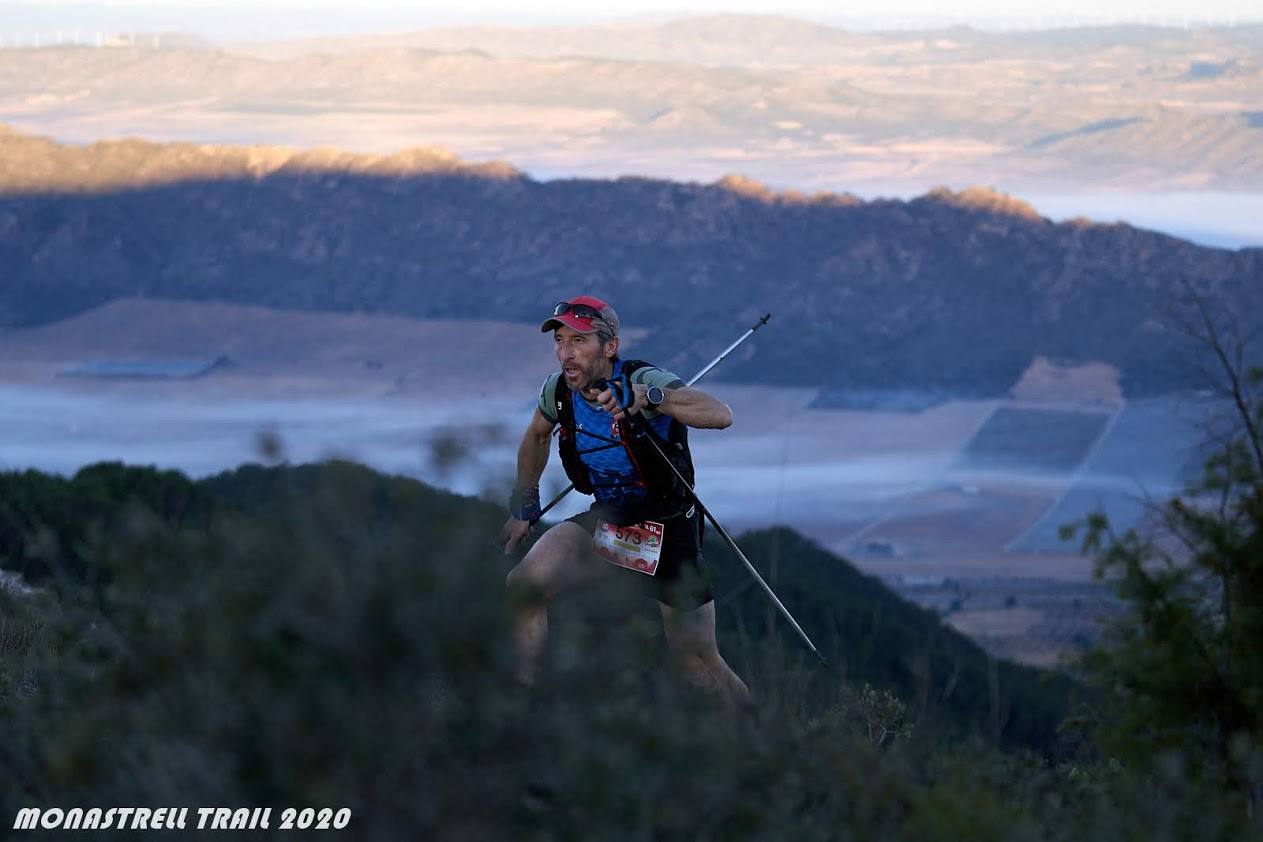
x=955 y=291
x=39 y=164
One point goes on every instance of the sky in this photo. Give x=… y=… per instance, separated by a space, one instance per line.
x=255 y=19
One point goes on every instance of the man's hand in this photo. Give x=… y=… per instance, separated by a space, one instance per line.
x=513 y=532
x=609 y=402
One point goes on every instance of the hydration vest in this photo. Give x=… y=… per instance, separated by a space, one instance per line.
x=661 y=492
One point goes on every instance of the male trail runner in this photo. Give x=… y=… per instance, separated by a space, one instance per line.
x=643 y=524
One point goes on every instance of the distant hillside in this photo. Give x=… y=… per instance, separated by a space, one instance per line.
x=727 y=39
x=787 y=101
x=744 y=40
x=951 y=291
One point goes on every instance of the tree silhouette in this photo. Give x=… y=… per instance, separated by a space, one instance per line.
x=1182 y=671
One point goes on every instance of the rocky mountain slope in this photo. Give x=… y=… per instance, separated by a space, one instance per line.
x=954 y=291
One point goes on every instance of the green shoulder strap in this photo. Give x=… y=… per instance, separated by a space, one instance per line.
x=550 y=393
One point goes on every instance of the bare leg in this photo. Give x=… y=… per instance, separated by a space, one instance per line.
x=561 y=559
x=691 y=637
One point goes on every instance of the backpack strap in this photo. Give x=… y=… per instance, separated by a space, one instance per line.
x=652 y=473
x=560 y=399
x=552 y=399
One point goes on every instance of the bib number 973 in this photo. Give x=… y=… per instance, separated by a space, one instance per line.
x=636 y=546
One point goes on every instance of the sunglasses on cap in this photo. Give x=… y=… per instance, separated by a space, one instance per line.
x=583 y=311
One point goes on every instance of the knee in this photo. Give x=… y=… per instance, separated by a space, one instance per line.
x=524 y=586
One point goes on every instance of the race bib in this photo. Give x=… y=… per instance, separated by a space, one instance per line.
x=637 y=546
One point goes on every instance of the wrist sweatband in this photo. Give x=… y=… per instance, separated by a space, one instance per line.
x=524 y=503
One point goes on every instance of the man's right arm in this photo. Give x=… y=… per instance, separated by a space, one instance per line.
x=532 y=458
x=532 y=453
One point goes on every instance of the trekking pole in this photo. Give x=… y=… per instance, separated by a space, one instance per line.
x=694 y=379
x=648 y=434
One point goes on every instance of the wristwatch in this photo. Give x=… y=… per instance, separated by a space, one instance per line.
x=655 y=396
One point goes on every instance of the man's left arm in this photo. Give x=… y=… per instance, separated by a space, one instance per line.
x=689 y=406
x=685 y=404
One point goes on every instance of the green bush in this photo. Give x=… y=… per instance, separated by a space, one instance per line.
x=298 y=647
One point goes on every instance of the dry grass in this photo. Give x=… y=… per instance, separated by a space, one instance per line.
x=328 y=352
x=1045 y=381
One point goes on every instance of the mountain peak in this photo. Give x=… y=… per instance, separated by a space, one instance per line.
x=33 y=163
x=747 y=187
x=987 y=199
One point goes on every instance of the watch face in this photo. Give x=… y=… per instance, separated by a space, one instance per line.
x=655 y=395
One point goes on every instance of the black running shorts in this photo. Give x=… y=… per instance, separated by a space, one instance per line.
x=682 y=580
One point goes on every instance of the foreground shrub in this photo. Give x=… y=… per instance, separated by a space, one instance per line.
x=302 y=651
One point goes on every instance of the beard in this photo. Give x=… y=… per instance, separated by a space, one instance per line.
x=585 y=376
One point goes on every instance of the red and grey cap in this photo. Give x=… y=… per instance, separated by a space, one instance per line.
x=584 y=314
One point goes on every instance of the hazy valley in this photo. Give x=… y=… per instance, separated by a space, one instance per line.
x=955 y=506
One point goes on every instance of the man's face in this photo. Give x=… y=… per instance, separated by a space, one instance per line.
x=583 y=359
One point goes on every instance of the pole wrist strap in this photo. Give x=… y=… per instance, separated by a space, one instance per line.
x=524 y=503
